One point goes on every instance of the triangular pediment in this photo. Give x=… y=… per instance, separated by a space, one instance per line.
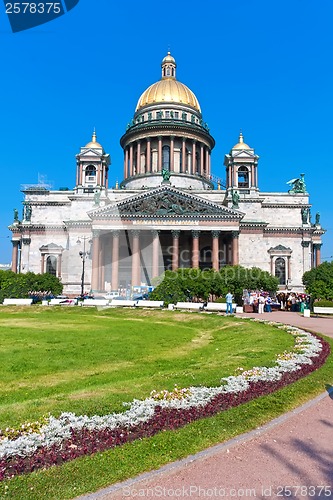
x=50 y=247
x=279 y=248
x=91 y=152
x=166 y=202
x=243 y=153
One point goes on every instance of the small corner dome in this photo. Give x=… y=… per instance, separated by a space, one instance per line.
x=241 y=144
x=93 y=144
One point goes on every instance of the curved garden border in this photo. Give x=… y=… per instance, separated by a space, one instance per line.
x=70 y=436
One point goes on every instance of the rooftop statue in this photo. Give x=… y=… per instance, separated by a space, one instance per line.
x=298 y=185
x=166 y=174
x=235 y=199
x=317 y=219
x=305 y=215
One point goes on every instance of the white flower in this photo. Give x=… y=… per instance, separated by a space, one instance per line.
x=56 y=430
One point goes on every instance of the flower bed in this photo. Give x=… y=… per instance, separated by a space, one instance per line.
x=56 y=440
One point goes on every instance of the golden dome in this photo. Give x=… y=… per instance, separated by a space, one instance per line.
x=94 y=144
x=241 y=144
x=168 y=89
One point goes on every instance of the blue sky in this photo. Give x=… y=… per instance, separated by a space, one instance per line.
x=262 y=67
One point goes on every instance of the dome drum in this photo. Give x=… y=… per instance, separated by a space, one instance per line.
x=175 y=154
x=167 y=134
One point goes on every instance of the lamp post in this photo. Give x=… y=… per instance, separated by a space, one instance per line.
x=83 y=254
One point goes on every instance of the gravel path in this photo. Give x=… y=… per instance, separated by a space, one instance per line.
x=291 y=457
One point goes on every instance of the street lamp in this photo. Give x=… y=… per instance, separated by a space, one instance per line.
x=83 y=254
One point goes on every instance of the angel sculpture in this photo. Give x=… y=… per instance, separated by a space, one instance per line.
x=298 y=185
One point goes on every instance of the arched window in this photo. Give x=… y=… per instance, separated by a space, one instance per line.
x=51 y=265
x=280 y=270
x=166 y=157
x=243 y=177
x=90 y=172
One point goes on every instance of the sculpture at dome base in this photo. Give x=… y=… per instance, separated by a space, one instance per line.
x=166 y=174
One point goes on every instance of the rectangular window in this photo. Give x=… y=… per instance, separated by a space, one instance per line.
x=167 y=114
x=176 y=115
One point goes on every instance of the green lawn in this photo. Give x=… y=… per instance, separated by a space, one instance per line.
x=90 y=362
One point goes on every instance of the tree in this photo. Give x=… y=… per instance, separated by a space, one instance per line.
x=196 y=285
x=319 y=281
x=14 y=285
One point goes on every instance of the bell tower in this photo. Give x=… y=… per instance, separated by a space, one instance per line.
x=241 y=169
x=92 y=167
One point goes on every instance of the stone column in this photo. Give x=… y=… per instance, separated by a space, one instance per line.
x=156 y=241
x=306 y=263
x=59 y=270
x=80 y=174
x=42 y=264
x=201 y=171
x=131 y=160
x=317 y=247
x=251 y=183
x=289 y=267
x=15 y=255
x=95 y=262
x=183 y=156
x=215 y=250
x=101 y=278
x=148 y=155
x=115 y=261
x=272 y=268
x=207 y=164
x=235 y=181
x=138 y=158
x=136 y=268
x=194 y=160
x=126 y=163
x=172 y=153
x=235 y=248
x=195 y=248
x=159 y=160
x=175 y=249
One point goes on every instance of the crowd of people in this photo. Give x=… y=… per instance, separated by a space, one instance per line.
x=260 y=301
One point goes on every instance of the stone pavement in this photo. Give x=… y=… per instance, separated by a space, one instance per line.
x=292 y=456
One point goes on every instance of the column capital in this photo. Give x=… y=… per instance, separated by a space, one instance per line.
x=96 y=233
x=175 y=233
x=115 y=232
x=305 y=244
x=135 y=233
x=235 y=234
x=155 y=232
x=195 y=234
x=317 y=246
x=216 y=234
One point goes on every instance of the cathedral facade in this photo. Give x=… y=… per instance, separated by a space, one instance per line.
x=168 y=212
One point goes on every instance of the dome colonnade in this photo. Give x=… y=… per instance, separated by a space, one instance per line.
x=167 y=133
